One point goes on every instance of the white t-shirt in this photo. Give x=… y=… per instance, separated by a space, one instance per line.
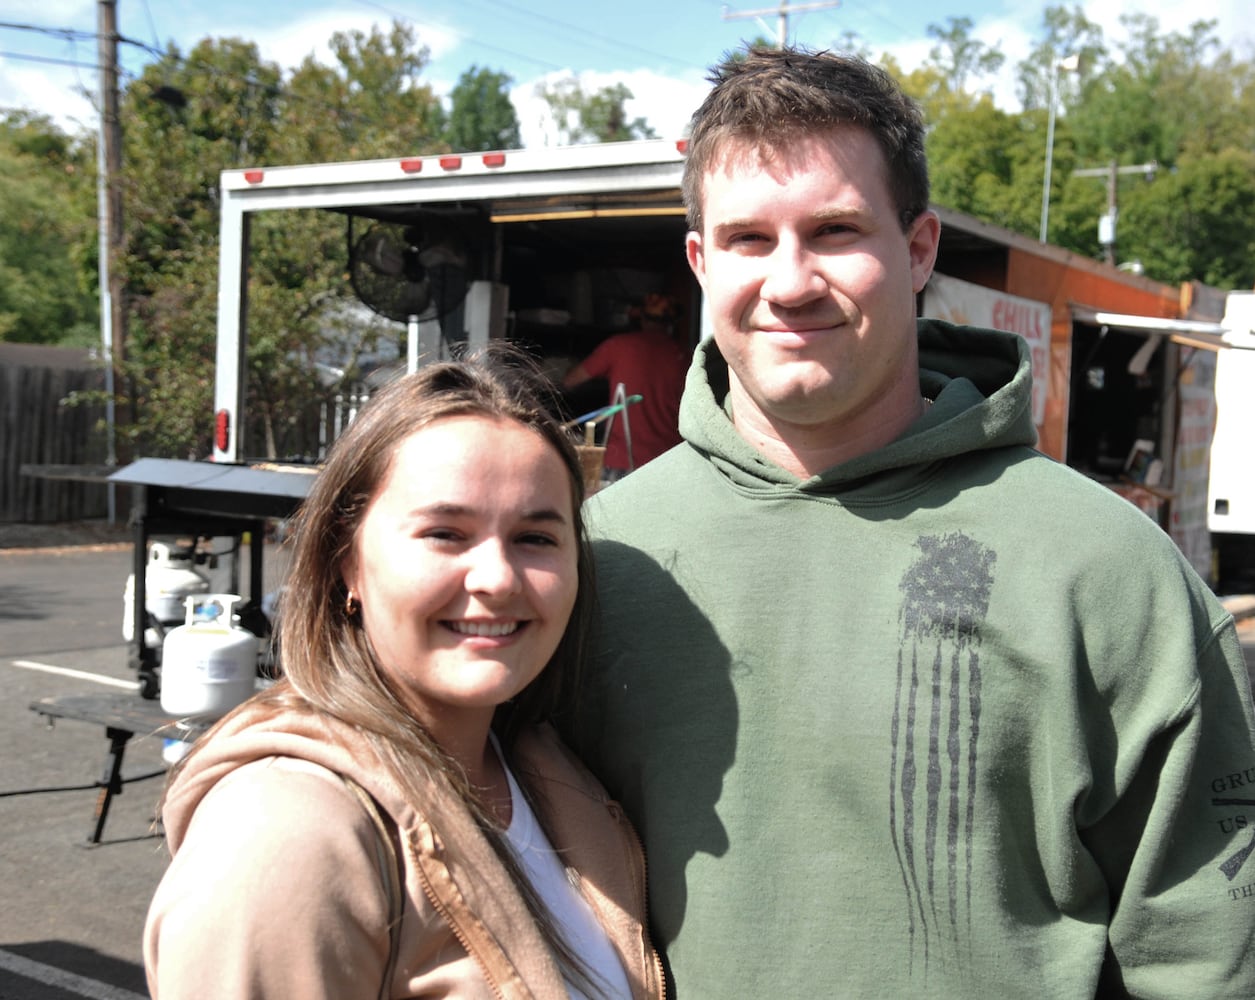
x=569 y=909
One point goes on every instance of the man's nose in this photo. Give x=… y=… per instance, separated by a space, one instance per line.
x=793 y=277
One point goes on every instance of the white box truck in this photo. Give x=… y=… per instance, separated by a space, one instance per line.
x=1231 y=480
x=468 y=247
x=548 y=246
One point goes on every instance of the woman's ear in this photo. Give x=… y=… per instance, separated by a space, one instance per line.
x=348 y=573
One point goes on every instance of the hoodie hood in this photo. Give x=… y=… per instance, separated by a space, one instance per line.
x=980 y=382
x=252 y=734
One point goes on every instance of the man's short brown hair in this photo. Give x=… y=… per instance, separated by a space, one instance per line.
x=772 y=97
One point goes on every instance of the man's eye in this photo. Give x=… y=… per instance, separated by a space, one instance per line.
x=746 y=242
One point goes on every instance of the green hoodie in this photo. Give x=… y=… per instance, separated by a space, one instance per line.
x=948 y=720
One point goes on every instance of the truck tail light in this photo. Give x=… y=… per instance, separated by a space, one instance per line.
x=222 y=429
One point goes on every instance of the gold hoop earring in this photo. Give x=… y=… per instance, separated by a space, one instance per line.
x=351 y=605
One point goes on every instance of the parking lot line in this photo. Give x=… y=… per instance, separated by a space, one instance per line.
x=51 y=976
x=84 y=675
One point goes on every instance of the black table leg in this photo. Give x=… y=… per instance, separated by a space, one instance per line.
x=111 y=783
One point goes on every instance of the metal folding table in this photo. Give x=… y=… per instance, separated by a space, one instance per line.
x=123 y=716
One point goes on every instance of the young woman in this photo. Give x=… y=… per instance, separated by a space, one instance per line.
x=393 y=818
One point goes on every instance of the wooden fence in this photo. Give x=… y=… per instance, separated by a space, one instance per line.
x=39 y=428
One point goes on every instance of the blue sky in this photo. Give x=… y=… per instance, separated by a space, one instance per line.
x=658 y=48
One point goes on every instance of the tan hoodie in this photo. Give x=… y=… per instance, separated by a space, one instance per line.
x=278 y=885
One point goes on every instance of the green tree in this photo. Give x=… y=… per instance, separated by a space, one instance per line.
x=48 y=285
x=596 y=116
x=1195 y=222
x=988 y=163
x=1141 y=106
x=220 y=109
x=233 y=110
x=1182 y=101
x=481 y=116
x=959 y=56
x=1066 y=32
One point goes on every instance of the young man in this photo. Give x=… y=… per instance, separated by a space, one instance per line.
x=899 y=706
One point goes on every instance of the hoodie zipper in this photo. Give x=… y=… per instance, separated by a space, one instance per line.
x=446 y=914
x=653 y=957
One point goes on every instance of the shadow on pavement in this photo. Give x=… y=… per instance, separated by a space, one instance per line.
x=61 y=957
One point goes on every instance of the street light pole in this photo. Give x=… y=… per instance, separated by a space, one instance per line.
x=1069 y=64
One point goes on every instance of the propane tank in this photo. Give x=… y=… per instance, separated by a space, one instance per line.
x=169 y=578
x=208 y=664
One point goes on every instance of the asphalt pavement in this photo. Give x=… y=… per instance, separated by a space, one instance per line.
x=73 y=914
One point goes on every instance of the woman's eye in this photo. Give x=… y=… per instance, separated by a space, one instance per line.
x=537 y=538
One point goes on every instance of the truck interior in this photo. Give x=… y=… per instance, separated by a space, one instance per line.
x=564 y=276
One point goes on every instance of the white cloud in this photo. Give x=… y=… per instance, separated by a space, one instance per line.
x=50 y=87
x=289 y=44
x=53 y=90
x=57 y=90
x=59 y=13
x=665 y=102
x=1015 y=32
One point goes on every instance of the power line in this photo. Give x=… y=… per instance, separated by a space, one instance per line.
x=567 y=26
x=397 y=15
x=151 y=25
x=70 y=34
x=578 y=30
x=873 y=12
x=27 y=57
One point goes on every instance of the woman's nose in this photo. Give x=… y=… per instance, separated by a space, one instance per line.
x=491 y=570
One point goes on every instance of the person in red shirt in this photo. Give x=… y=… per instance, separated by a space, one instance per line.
x=647 y=361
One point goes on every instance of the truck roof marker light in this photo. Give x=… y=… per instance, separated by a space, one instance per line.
x=222 y=429
x=451 y=162
x=412 y=164
x=494 y=159
x=682 y=145
x=254 y=176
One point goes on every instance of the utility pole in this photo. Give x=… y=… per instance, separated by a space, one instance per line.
x=1107 y=223
x=109 y=170
x=782 y=13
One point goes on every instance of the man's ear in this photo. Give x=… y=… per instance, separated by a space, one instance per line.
x=695 y=251
x=923 y=238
